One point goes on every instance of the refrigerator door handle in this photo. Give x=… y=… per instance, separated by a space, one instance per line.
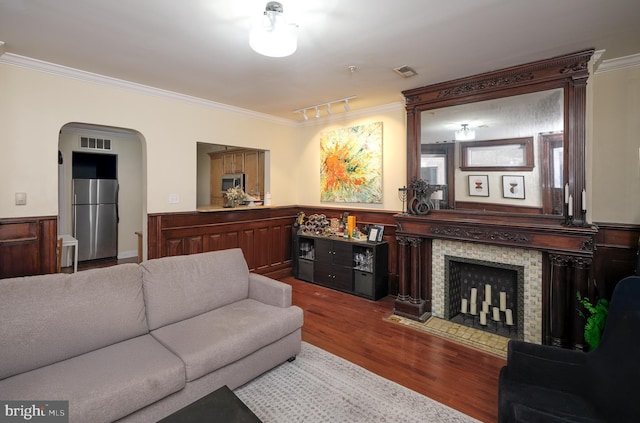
x=117 y=214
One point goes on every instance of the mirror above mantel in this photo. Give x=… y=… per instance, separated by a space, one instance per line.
x=501 y=138
x=523 y=134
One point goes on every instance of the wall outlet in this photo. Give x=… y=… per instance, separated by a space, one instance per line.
x=174 y=198
x=21 y=198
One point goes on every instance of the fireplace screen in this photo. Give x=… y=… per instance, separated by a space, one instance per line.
x=485 y=295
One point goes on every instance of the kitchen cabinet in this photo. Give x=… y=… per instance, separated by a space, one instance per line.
x=353 y=266
x=233 y=162
x=248 y=161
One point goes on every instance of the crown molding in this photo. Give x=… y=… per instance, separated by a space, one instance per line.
x=619 y=63
x=94 y=78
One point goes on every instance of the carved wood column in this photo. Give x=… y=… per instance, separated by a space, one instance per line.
x=580 y=284
x=415 y=270
x=559 y=297
x=409 y=302
x=403 y=280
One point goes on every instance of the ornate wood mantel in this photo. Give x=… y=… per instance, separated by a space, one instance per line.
x=567 y=254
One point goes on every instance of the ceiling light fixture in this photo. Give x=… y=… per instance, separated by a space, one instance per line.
x=271 y=35
x=465 y=134
x=328 y=104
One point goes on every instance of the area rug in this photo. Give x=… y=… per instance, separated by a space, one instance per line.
x=479 y=339
x=322 y=387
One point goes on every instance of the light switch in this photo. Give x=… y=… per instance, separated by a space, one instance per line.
x=174 y=198
x=21 y=198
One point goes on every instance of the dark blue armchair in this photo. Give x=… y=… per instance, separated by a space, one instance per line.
x=542 y=383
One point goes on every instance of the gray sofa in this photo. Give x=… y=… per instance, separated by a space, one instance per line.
x=138 y=342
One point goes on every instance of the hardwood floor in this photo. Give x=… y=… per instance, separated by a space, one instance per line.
x=353 y=328
x=94 y=264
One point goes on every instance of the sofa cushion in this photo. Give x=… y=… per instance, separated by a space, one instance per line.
x=106 y=384
x=48 y=318
x=181 y=287
x=212 y=340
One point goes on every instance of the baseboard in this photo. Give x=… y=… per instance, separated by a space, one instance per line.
x=127 y=254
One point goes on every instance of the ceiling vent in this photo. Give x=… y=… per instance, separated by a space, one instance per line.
x=405 y=71
x=95 y=143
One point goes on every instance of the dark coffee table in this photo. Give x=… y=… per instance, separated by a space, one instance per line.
x=221 y=405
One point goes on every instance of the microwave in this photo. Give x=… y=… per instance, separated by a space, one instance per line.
x=232 y=180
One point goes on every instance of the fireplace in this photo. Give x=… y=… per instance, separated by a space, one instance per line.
x=517 y=272
x=556 y=261
x=484 y=295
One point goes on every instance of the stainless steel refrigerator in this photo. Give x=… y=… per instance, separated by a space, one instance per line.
x=95 y=218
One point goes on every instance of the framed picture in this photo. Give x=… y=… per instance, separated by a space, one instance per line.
x=513 y=187
x=508 y=154
x=373 y=234
x=478 y=185
x=380 y=229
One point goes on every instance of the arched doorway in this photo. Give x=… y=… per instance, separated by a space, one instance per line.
x=127 y=149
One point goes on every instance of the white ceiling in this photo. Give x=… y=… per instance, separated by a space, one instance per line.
x=200 y=47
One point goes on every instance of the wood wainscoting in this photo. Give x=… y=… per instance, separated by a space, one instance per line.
x=263 y=233
x=28 y=246
x=616 y=255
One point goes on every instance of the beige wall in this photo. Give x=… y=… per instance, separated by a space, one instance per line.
x=615 y=146
x=307 y=162
x=35 y=105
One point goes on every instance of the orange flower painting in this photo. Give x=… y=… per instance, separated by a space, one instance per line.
x=351 y=164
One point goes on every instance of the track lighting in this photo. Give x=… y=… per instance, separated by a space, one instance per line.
x=328 y=104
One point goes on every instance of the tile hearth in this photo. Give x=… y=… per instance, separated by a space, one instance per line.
x=476 y=338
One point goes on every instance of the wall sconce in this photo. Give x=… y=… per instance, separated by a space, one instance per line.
x=328 y=104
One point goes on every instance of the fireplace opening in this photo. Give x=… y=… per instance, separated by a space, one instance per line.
x=485 y=295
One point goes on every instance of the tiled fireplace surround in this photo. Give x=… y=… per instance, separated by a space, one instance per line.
x=556 y=260
x=530 y=260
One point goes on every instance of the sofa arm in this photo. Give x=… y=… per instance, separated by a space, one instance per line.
x=269 y=291
x=547 y=365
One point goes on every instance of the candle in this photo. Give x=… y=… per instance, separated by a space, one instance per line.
x=571 y=205
x=496 y=314
x=463 y=307
x=487 y=293
x=584 y=200
x=474 y=295
x=483 y=318
x=473 y=308
x=566 y=193
x=485 y=307
x=503 y=301
x=509 y=316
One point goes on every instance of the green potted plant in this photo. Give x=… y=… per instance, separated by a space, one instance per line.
x=595 y=320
